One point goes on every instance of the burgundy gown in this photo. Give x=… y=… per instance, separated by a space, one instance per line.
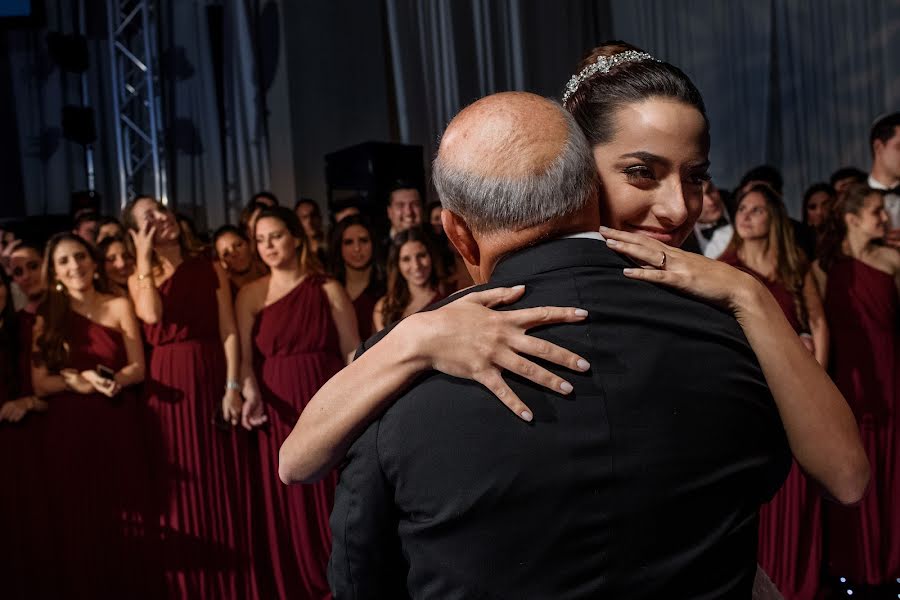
x=364 y=307
x=200 y=469
x=295 y=351
x=24 y=506
x=861 y=304
x=790 y=525
x=97 y=478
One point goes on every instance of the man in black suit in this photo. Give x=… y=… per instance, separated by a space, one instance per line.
x=643 y=482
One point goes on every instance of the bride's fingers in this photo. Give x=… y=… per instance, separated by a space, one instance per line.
x=526 y=318
x=632 y=238
x=494 y=382
x=655 y=275
x=520 y=365
x=652 y=257
x=496 y=296
x=532 y=346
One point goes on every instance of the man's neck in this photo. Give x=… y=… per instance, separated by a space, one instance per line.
x=881 y=175
x=497 y=246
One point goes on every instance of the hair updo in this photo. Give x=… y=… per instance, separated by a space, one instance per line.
x=597 y=99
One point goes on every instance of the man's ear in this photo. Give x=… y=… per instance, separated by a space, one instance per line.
x=461 y=237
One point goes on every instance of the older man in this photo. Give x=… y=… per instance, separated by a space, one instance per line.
x=644 y=482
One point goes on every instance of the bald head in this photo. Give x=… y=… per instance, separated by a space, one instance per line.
x=513 y=161
x=510 y=135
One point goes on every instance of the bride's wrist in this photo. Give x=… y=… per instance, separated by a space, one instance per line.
x=748 y=296
x=412 y=342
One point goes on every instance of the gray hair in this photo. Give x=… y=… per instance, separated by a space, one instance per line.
x=489 y=204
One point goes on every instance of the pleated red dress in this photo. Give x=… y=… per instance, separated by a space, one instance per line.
x=295 y=351
x=97 y=480
x=364 y=307
x=200 y=469
x=861 y=304
x=790 y=525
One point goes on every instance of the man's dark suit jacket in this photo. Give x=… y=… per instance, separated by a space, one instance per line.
x=645 y=482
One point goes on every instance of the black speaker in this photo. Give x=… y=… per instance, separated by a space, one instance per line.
x=369 y=170
x=78 y=124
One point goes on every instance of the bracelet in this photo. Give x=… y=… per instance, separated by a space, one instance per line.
x=144 y=276
x=232 y=384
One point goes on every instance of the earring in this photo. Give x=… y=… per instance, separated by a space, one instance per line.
x=96 y=275
x=59 y=286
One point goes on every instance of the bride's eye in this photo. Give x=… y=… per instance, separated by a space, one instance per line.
x=638 y=172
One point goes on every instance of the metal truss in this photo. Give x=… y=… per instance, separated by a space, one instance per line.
x=131 y=26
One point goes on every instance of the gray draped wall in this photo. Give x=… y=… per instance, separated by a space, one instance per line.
x=260 y=90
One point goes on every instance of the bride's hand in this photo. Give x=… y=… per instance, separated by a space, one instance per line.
x=709 y=280
x=467 y=339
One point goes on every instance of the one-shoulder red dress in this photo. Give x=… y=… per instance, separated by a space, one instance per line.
x=202 y=469
x=97 y=479
x=295 y=351
x=861 y=304
x=790 y=525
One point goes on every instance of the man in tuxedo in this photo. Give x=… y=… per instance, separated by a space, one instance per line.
x=643 y=482
x=884 y=141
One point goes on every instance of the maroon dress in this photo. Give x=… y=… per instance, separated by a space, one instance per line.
x=24 y=507
x=790 y=529
x=295 y=351
x=861 y=305
x=97 y=478
x=364 y=307
x=200 y=469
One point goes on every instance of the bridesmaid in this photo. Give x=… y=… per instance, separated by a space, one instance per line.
x=413 y=278
x=790 y=531
x=87 y=358
x=353 y=264
x=297 y=328
x=232 y=250
x=185 y=304
x=118 y=263
x=861 y=278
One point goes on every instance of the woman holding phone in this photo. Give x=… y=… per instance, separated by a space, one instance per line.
x=88 y=356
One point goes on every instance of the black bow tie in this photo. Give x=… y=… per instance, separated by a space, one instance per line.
x=707 y=232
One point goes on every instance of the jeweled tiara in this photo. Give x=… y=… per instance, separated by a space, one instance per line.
x=602 y=65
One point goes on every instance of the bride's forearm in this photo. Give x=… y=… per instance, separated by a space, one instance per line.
x=347 y=403
x=820 y=427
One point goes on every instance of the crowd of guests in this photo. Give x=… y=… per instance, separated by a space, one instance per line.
x=149 y=374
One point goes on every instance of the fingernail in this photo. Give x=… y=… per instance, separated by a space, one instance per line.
x=629 y=271
x=580 y=312
x=526 y=415
x=583 y=364
x=518 y=287
x=611 y=242
x=566 y=387
x=604 y=228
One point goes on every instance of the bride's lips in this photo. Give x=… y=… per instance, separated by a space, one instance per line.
x=663 y=235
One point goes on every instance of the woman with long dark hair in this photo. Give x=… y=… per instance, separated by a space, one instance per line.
x=297 y=327
x=353 y=264
x=88 y=356
x=193 y=389
x=118 y=263
x=861 y=277
x=413 y=278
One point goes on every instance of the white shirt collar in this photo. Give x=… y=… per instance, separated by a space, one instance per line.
x=585 y=235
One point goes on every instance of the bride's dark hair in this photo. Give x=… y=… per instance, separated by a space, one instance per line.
x=595 y=102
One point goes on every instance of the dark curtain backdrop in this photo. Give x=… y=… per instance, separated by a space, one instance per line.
x=795 y=83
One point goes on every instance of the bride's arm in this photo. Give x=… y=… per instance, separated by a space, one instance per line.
x=820 y=427
x=464 y=339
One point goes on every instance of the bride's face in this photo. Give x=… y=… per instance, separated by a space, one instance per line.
x=652 y=171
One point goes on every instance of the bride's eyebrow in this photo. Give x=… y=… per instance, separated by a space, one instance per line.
x=648 y=157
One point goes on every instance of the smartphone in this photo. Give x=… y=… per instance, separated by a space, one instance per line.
x=220 y=423
x=105 y=372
